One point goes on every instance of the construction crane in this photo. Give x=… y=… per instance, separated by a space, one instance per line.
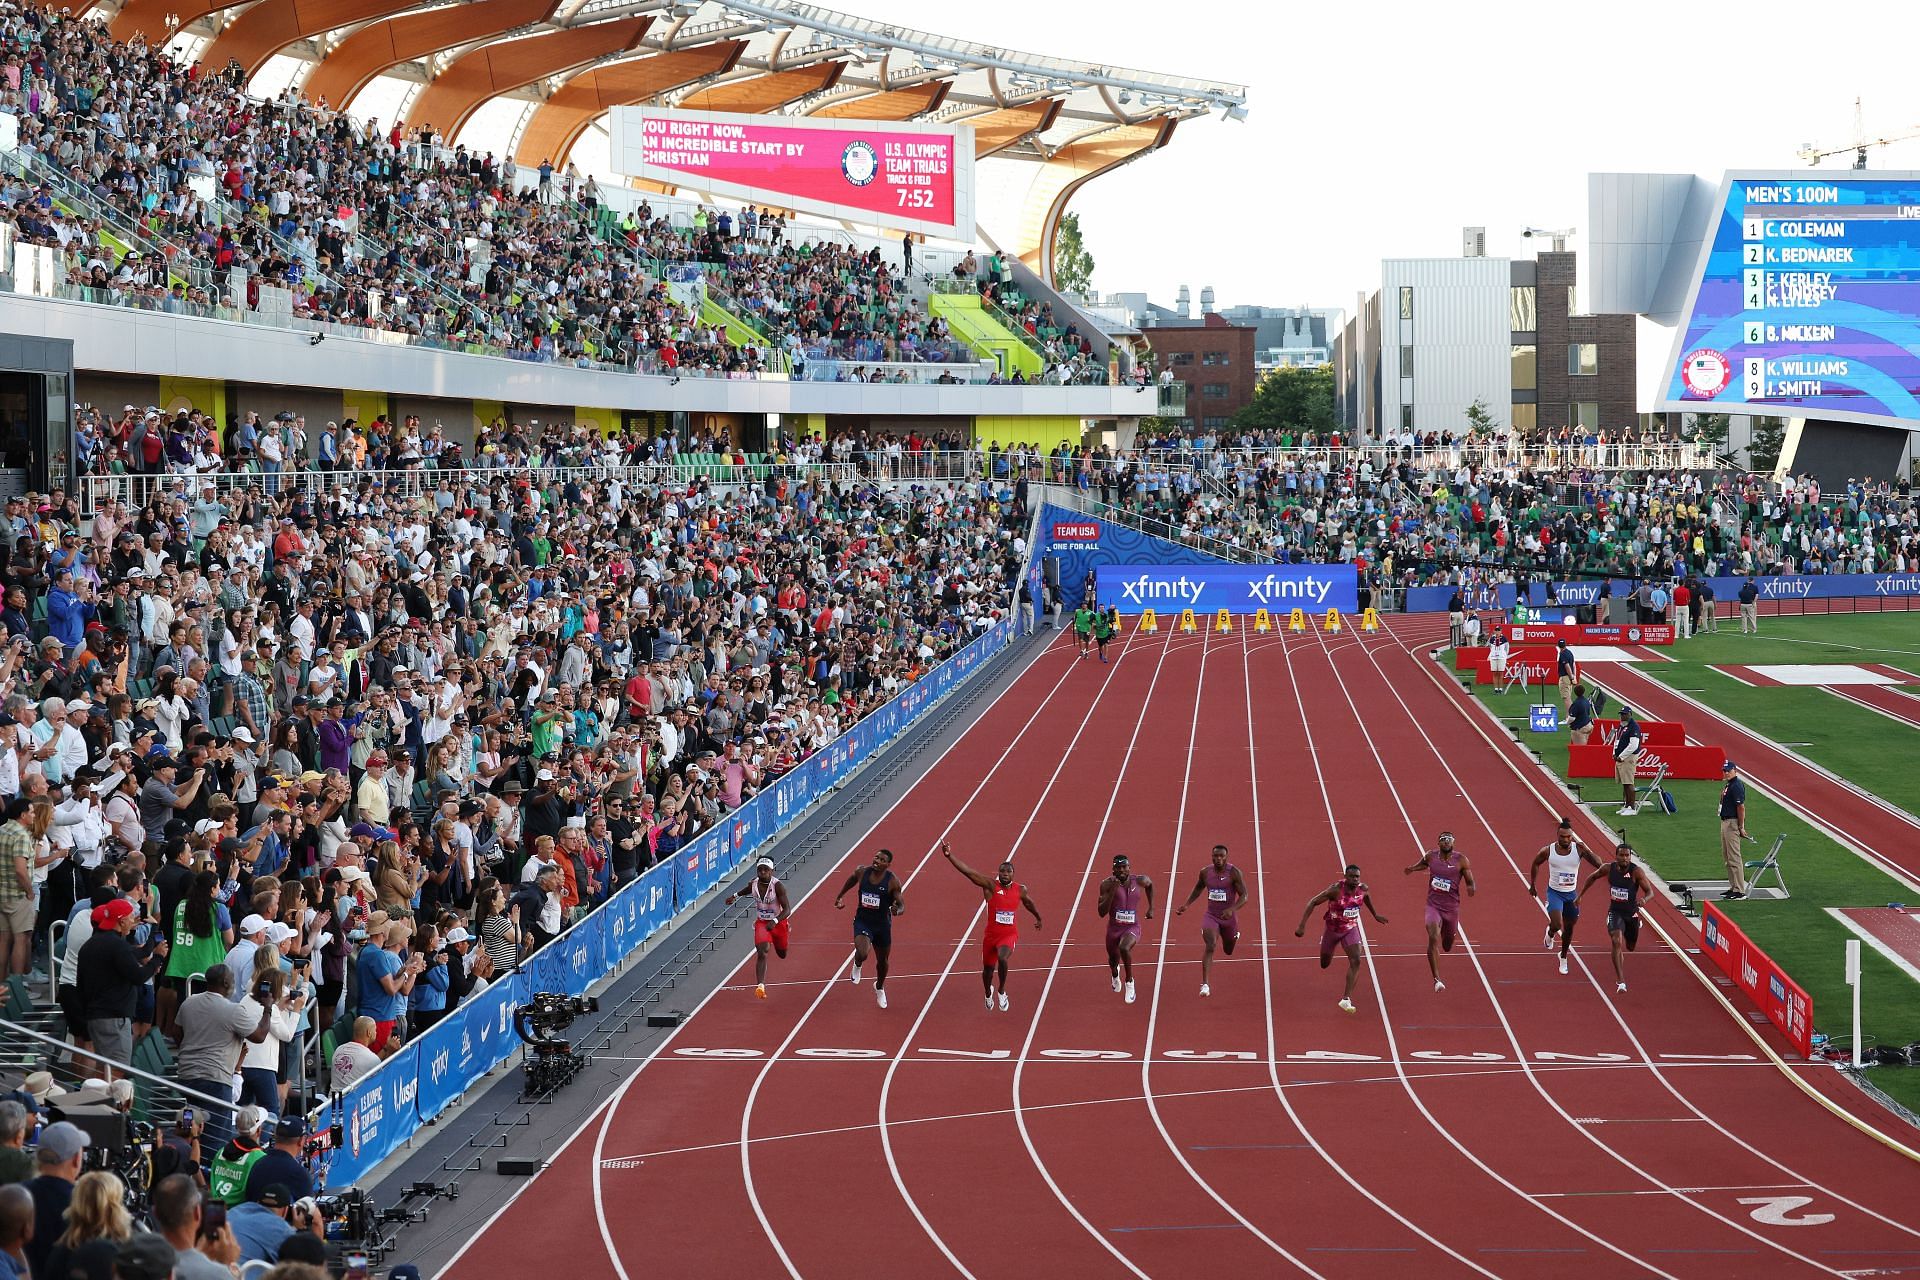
x=1814 y=155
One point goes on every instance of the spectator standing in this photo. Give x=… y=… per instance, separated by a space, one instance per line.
x=16 y=1162
x=16 y=887
x=97 y=1225
x=279 y=1165
x=180 y=1210
x=16 y=1230
x=61 y=1151
x=213 y=1032
x=112 y=971
x=386 y=980
x=268 y=998
x=1750 y=607
x=1733 y=829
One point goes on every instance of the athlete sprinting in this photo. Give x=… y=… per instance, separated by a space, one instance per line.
x=1083 y=628
x=1341 y=925
x=1226 y=893
x=1121 y=897
x=1446 y=872
x=1004 y=900
x=770 y=911
x=879 y=902
x=1563 y=858
x=1627 y=884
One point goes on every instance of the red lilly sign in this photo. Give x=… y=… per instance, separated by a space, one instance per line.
x=1785 y=1003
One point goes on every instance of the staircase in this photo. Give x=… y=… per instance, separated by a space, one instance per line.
x=970 y=317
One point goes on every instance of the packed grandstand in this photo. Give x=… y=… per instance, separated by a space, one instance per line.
x=361 y=715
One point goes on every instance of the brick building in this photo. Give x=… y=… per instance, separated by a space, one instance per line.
x=1215 y=359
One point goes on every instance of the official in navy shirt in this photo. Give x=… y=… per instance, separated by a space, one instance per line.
x=1733 y=829
x=1626 y=760
x=1749 y=607
x=1566 y=666
x=1580 y=717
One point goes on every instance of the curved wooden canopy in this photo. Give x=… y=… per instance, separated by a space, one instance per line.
x=351 y=65
x=558 y=122
x=469 y=80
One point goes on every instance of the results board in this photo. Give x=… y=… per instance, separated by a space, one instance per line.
x=1806 y=301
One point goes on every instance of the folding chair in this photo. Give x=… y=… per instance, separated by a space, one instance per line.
x=1758 y=867
x=1650 y=794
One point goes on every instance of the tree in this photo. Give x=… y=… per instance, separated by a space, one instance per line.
x=1479 y=421
x=1711 y=429
x=1769 y=435
x=1072 y=264
x=1299 y=398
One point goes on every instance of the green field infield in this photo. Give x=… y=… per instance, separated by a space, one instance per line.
x=1866 y=748
x=1820 y=872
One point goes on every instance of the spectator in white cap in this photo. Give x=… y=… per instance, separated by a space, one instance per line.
x=250 y=937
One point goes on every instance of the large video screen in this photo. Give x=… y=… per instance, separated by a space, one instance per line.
x=913 y=177
x=1807 y=301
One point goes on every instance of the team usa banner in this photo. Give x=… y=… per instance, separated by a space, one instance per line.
x=385 y=1108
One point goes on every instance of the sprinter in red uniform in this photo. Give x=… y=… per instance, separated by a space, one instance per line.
x=1004 y=898
x=770 y=912
x=1341 y=925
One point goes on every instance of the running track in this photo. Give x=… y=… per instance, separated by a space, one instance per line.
x=1519 y=1124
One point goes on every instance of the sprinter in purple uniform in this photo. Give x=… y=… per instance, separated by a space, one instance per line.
x=1122 y=897
x=1446 y=872
x=1226 y=893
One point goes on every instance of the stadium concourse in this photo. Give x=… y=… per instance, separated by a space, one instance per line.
x=1517 y=1123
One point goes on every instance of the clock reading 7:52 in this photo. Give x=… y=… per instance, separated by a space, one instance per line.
x=911 y=198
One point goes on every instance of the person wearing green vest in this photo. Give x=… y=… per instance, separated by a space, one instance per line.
x=1103 y=630
x=1083 y=628
x=227 y=1180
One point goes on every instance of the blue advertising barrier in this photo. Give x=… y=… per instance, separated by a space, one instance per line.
x=377 y=1114
x=1237 y=588
x=1785 y=586
x=387 y=1107
x=468 y=1043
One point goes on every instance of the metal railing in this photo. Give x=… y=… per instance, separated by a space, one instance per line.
x=157 y=1100
x=138 y=490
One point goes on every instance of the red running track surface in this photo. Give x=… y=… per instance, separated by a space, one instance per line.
x=1889 y=701
x=1518 y=1124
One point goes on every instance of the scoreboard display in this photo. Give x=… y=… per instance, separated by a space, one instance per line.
x=1806 y=302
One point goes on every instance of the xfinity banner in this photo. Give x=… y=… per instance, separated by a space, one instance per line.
x=1237 y=588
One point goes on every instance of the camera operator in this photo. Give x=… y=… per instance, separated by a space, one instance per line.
x=262 y=1226
x=280 y=1164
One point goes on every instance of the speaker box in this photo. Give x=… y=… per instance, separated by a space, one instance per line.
x=516 y=1167
x=666 y=1018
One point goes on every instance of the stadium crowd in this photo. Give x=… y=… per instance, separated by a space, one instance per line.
x=191 y=187
x=351 y=754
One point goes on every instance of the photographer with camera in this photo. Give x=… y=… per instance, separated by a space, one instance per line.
x=273 y=997
x=387 y=977
x=264 y=1225
x=179 y=1211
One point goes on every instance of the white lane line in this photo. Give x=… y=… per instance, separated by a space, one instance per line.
x=1170 y=886
x=1594 y=981
x=1266 y=973
x=1306 y=726
x=966 y=940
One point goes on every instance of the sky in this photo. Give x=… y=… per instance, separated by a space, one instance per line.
x=1380 y=130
